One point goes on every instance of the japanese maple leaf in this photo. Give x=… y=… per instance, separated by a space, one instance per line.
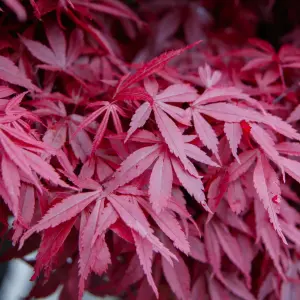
x=266 y=183
x=52 y=242
x=236 y=196
x=288 y=222
x=58 y=133
x=236 y=286
x=229 y=218
x=124 y=206
x=217 y=188
x=267 y=88
x=164 y=166
x=208 y=77
x=223 y=240
x=9 y=72
x=290 y=290
x=21 y=161
x=107 y=109
x=162 y=110
x=267 y=143
x=216 y=289
x=232 y=248
x=94 y=253
x=227 y=112
x=63 y=211
x=26 y=203
x=196 y=16
x=177 y=276
x=15 y=115
x=147 y=69
x=267 y=83
x=89 y=10
x=5 y=92
x=231 y=113
x=177 y=93
x=267 y=186
x=59 y=56
x=113 y=8
x=97 y=169
x=268 y=235
x=262 y=55
x=290 y=56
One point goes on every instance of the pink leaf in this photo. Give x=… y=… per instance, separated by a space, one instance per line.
x=230 y=247
x=151 y=67
x=197 y=154
x=17 y=156
x=6 y=92
x=237 y=169
x=197 y=249
x=139 y=118
x=168 y=223
x=261 y=186
x=216 y=290
x=151 y=86
x=281 y=126
x=101 y=256
x=92 y=243
x=100 y=131
x=81 y=143
x=289 y=148
x=134 y=218
x=63 y=211
x=230 y=113
x=209 y=78
x=177 y=93
x=292 y=167
x=42 y=168
x=10 y=72
x=237 y=287
x=172 y=135
x=160 y=185
x=130 y=213
x=199 y=288
x=295 y=115
x=40 y=51
x=218 y=94
x=269 y=238
x=178 y=114
x=11 y=180
x=178 y=277
x=75 y=46
x=234 y=134
x=51 y=244
x=57 y=42
x=291 y=232
x=145 y=253
x=206 y=133
x=134 y=165
x=213 y=249
x=56 y=137
x=236 y=197
x=193 y=185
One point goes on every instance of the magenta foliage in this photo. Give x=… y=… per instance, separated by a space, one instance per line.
x=151 y=149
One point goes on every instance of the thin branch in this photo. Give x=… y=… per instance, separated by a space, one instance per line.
x=293 y=88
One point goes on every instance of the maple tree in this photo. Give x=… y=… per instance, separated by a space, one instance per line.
x=150 y=149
